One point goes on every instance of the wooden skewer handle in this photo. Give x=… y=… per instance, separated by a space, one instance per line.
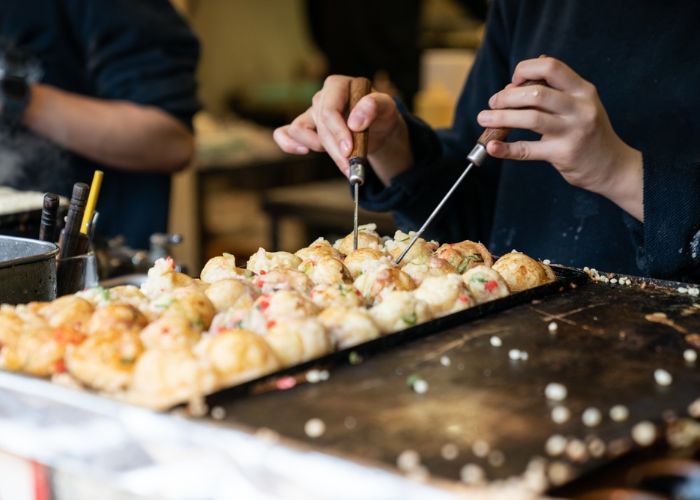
x=359 y=87
x=500 y=134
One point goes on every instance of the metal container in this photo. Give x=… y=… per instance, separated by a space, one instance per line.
x=27 y=270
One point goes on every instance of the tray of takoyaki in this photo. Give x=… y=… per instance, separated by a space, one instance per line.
x=177 y=338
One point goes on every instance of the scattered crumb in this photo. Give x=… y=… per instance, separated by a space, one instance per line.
x=449 y=451
x=576 y=450
x=496 y=341
x=690 y=355
x=555 y=445
x=560 y=414
x=555 y=391
x=496 y=458
x=694 y=409
x=558 y=473
x=324 y=375
x=418 y=384
x=313 y=376
x=619 y=413
x=514 y=354
x=218 y=413
x=553 y=327
x=267 y=434
x=591 y=417
x=644 y=433
x=472 y=474
x=662 y=377
x=350 y=423
x=445 y=361
x=480 y=448
x=596 y=447
x=354 y=358
x=315 y=428
x=407 y=460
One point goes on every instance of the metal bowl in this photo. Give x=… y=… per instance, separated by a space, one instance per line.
x=27 y=270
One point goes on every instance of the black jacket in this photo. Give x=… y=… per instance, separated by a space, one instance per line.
x=643 y=59
x=135 y=50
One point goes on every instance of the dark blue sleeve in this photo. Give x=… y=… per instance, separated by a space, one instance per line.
x=139 y=50
x=669 y=239
x=440 y=157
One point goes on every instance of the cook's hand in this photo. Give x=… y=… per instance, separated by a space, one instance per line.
x=577 y=137
x=323 y=127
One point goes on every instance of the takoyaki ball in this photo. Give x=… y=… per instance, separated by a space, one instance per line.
x=222 y=267
x=299 y=339
x=445 y=294
x=327 y=270
x=485 y=284
x=125 y=294
x=263 y=262
x=163 y=278
x=285 y=304
x=14 y=321
x=419 y=269
x=189 y=302
x=520 y=271
x=465 y=255
x=236 y=318
x=348 y=326
x=170 y=331
x=336 y=295
x=237 y=355
x=363 y=260
x=367 y=237
x=371 y=284
x=283 y=279
x=231 y=293
x=68 y=311
x=319 y=249
x=36 y=352
x=105 y=360
x=399 y=310
x=165 y=377
x=421 y=249
x=116 y=318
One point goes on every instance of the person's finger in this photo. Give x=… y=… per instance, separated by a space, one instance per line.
x=528 y=119
x=534 y=96
x=303 y=130
x=331 y=147
x=557 y=74
x=520 y=150
x=374 y=107
x=331 y=107
x=287 y=143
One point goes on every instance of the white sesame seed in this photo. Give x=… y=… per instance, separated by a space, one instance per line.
x=445 y=361
x=555 y=445
x=560 y=414
x=662 y=377
x=480 y=448
x=591 y=417
x=315 y=428
x=408 y=459
x=420 y=386
x=449 y=451
x=218 y=413
x=472 y=474
x=690 y=355
x=644 y=433
x=619 y=413
x=496 y=341
x=514 y=354
x=694 y=409
x=553 y=327
x=555 y=391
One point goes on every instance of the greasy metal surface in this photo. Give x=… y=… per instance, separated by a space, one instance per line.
x=27 y=270
x=604 y=351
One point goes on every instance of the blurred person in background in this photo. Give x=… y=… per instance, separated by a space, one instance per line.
x=108 y=84
x=602 y=169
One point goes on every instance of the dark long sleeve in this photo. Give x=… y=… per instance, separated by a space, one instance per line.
x=440 y=157
x=669 y=239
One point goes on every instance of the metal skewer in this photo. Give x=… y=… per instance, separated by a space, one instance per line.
x=359 y=87
x=476 y=157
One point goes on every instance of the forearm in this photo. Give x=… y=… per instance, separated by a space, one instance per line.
x=116 y=133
